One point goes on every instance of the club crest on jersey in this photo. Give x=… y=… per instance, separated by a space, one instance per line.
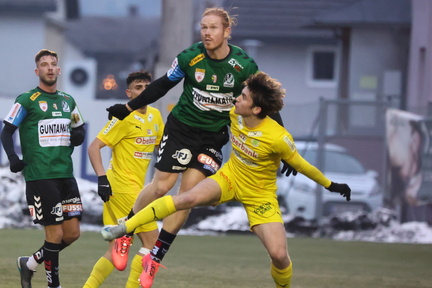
x=199 y=74
x=65 y=106
x=43 y=105
x=229 y=80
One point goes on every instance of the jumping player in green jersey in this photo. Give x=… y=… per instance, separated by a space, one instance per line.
x=196 y=130
x=249 y=177
x=50 y=125
x=133 y=142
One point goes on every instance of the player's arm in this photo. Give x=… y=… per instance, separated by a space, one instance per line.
x=156 y=90
x=15 y=163
x=313 y=173
x=104 y=187
x=286 y=168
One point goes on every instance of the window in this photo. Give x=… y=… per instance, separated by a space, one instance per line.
x=322 y=66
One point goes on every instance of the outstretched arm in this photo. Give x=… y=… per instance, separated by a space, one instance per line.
x=156 y=90
x=310 y=171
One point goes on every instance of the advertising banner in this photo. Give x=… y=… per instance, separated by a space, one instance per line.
x=409 y=154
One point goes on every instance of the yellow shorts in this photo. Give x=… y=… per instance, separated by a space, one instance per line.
x=261 y=206
x=116 y=210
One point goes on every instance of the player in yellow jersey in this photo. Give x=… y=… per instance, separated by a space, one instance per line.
x=133 y=142
x=249 y=176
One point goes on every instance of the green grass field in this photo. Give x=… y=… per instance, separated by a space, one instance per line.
x=236 y=261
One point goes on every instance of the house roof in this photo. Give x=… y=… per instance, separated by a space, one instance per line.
x=279 y=19
x=111 y=35
x=368 y=12
x=22 y=7
x=259 y=19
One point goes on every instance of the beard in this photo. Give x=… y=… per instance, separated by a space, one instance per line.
x=49 y=82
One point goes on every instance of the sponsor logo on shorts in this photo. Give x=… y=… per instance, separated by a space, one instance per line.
x=208 y=162
x=72 y=208
x=178 y=168
x=264 y=208
x=216 y=153
x=57 y=210
x=73 y=200
x=183 y=156
x=224 y=176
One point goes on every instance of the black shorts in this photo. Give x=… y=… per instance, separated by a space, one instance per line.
x=184 y=147
x=52 y=201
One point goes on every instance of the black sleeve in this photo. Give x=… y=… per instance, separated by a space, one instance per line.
x=6 y=138
x=156 y=90
x=277 y=117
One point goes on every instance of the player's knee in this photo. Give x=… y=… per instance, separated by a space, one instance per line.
x=188 y=200
x=280 y=257
x=71 y=237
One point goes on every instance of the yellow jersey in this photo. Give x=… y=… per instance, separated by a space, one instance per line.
x=257 y=153
x=132 y=141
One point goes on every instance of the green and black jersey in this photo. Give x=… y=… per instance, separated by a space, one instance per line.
x=210 y=86
x=45 y=120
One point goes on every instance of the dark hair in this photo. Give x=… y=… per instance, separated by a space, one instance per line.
x=45 y=52
x=140 y=75
x=266 y=93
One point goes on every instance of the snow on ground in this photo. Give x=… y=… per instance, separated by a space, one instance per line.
x=379 y=226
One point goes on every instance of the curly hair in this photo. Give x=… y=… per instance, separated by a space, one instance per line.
x=266 y=93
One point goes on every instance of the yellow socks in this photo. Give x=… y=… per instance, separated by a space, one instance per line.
x=135 y=272
x=157 y=210
x=101 y=270
x=282 y=277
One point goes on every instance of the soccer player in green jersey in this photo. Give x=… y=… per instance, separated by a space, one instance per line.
x=196 y=130
x=50 y=125
x=249 y=177
x=133 y=142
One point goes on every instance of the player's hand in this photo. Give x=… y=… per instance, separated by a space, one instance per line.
x=343 y=189
x=119 y=111
x=104 y=188
x=76 y=137
x=288 y=169
x=16 y=164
